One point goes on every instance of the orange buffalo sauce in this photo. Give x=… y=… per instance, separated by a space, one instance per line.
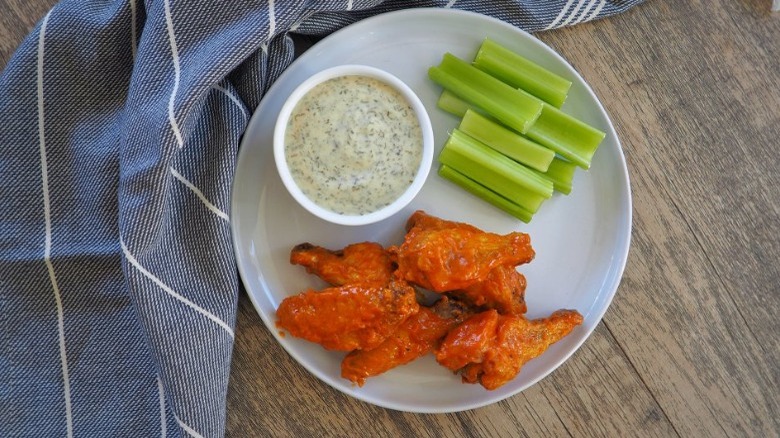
x=467 y=342
x=348 y=317
x=490 y=349
x=417 y=336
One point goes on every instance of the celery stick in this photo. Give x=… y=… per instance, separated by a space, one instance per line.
x=497 y=183
x=499 y=163
x=561 y=173
x=520 y=72
x=452 y=104
x=554 y=129
x=484 y=193
x=571 y=138
x=507 y=142
x=495 y=171
x=510 y=106
x=566 y=142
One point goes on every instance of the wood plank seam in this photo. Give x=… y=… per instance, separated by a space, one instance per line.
x=641 y=377
x=558 y=415
x=717 y=273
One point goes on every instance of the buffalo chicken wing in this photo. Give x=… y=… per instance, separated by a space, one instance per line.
x=347 y=318
x=503 y=289
x=454 y=258
x=365 y=262
x=414 y=338
x=491 y=349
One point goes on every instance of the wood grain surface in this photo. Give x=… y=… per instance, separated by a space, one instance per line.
x=691 y=343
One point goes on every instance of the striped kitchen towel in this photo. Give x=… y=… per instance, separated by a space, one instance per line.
x=119 y=126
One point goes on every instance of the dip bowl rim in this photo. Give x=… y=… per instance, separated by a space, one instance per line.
x=427 y=144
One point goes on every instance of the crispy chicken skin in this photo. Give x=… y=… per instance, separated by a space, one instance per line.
x=503 y=290
x=365 y=262
x=350 y=317
x=421 y=219
x=414 y=338
x=491 y=349
x=456 y=257
x=468 y=342
x=372 y=310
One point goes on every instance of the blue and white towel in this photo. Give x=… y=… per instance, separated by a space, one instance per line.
x=119 y=126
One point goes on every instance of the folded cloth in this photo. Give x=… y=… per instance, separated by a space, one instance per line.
x=119 y=126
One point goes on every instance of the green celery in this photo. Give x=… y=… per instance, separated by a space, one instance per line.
x=520 y=72
x=571 y=138
x=499 y=163
x=484 y=193
x=452 y=104
x=512 y=107
x=458 y=107
x=495 y=171
x=561 y=173
x=506 y=141
x=497 y=183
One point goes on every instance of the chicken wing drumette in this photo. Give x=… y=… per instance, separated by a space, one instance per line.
x=502 y=289
x=444 y=256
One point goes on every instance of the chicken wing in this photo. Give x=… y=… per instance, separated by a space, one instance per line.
x=503 y=290
x=347 y=317
x=421 y=219
x=365 y=262
x=414 y=338
x=491 y=349
x=454 y=258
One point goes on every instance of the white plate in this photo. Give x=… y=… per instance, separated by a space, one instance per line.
x=581 y=240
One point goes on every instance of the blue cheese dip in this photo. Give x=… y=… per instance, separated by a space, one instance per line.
x=353 y=144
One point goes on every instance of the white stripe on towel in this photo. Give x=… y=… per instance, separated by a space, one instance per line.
x=163 y=423
x=574 y=13
x=47 y=220
x=585 y=12
x=271 y=19
x=176 y=73
x=172 y=292
x=597 y=10
x=187 y=428
x=133 y=31
x=200 y=195
x=235 y=99
x=560 y=16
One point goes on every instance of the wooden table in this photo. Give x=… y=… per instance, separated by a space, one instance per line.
x=691 y=343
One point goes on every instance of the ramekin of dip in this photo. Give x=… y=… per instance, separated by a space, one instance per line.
x=353 y=144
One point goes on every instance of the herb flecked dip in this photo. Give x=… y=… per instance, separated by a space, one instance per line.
x=353 y=144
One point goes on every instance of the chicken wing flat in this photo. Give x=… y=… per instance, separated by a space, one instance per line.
x=349 y=317
x=421 y=219
x=365 y=262
x=454 y=258
x=503 y=290
x=415 y=337
x=491 y=349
